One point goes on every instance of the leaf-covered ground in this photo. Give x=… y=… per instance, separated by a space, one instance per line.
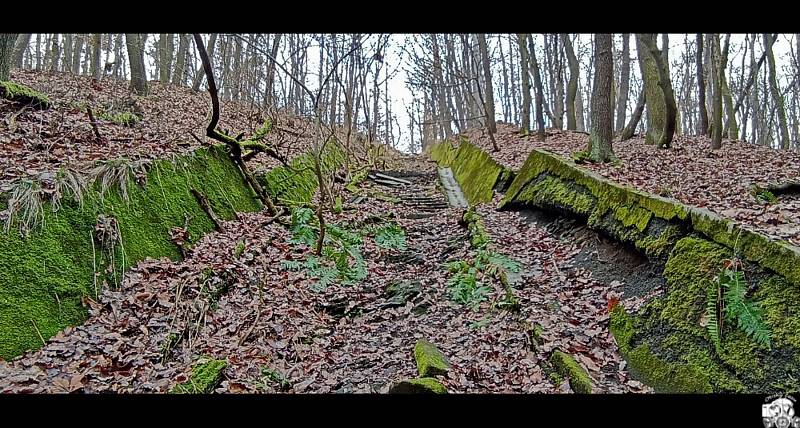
x=36 y=142
x=720 y=180
x=233 y=299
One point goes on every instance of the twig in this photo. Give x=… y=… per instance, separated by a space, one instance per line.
x=94 y=264
x=37 y=332
x=196 y=138
x=207 y=208
x=252 y=327
x=556 y=266
x=93 y=122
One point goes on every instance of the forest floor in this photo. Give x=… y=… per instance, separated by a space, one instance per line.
x=37 y=143
x=719 y=180
x=281 y=332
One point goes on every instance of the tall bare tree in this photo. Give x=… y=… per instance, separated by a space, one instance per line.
x=600 y=148
x=526 y=84
x=135 y=44
x=6 y=52
x=572 y=85
x=624 y=82
x=775 y=94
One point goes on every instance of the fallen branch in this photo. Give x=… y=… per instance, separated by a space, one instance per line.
x=93 y=122
x=203 y=201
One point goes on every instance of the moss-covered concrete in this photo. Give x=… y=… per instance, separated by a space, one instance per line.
x=297 y=183
x=425 y=385
x=565 y=365
x=44 y=275
x=24 y=95
x=430 y=360
x=666 y=343
x=476 y=172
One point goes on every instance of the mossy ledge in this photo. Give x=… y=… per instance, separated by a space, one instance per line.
x=297 y=183
x=475 y=170
x=44 y=276
x=24 y=95
x=666 y=343
x=565 y=365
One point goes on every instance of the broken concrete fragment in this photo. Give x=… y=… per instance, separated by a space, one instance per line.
x=579 y=379
x=430 y=361
x=425 y=385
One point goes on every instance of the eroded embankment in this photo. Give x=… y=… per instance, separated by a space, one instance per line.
x=667 y=342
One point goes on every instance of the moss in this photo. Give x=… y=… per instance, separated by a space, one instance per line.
x=44 y=276
x=357 y=178
x=237 y=252
x=23 y=95
x=554 y=192
x=425 y=385
x=477 y=231
x=632 y=215
x=205 y=377
x=691 y=265
x=659 y=246
x=442 y=153
x=430 y=361
x=297 y=184
x=476 y=173
x=566 y=365
x=121 y=118
x=780 y=310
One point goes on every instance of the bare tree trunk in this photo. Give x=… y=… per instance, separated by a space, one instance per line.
x=624 y=83
x=537 y=82
x=701 y=88
x=489 y=89
x=269 y=91
x=526 y=84
x=199 y=75
x=55 y=56
x=600 y=148
x=96 y=41
x=572 y=85
x=654 y=95
x=444 y=114
x=179 y=73
x=136 y=43
x=22 y=42
x=76 y=54
x=6 y=52
x=776 y=95
x=165 y=48
x=664 y=83
x=630 y=128
x=716 y=134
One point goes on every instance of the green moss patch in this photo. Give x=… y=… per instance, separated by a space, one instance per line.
x=297 y=184
x=425 y=385
x=430 y=361
x=205 y=377
x=566 y=365
x=44 y=275
x=475 y=170
x=24 y=95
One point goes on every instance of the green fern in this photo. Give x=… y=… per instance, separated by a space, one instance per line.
x=745 y=313
x=291 y=265
x=391 y=236
x=711 y=314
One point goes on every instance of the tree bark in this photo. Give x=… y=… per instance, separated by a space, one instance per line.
x=489 y=88
x=269 y=91
x=526 y=84
x=96 y=41
x=7 y=41
x=200 y=74
x=165 y=48
x=537 y=82
x=716 y=133
x=630 y=128
x=600 y=148
x=775 y=94
x=624 y=82
x=179 y=73
x=654 y=96
x=702 y=123
x=135 y=44
x=572 y=85
x=665 y=84
x=23 y=40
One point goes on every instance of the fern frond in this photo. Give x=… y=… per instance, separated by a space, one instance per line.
x=711 y=314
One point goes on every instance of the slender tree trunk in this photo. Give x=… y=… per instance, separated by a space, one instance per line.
x=165 y=48
x=56 y=54
x=179 y=73
x=526 y=84
x=77 y=50
x=665 y=85
x=96 y=42
x=136 y=43
x=22 y=42
x=600 y=148
x=572 y=85
x=624 y=83
x=200 y=74
x=444 y=113
x=489 y=88
x=776 y=95
x=537 y=82
x=654 y=95
x=716 y=134
x=630 y=128
x=701 y=88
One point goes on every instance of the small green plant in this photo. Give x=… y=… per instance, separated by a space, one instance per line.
x=466 y=289
x=581 y=157
x=466 y=284
x=728 y=294
x=763 y=195
x=274 y=378
x=124 y=118
x=238 y=250
x=391 y=236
